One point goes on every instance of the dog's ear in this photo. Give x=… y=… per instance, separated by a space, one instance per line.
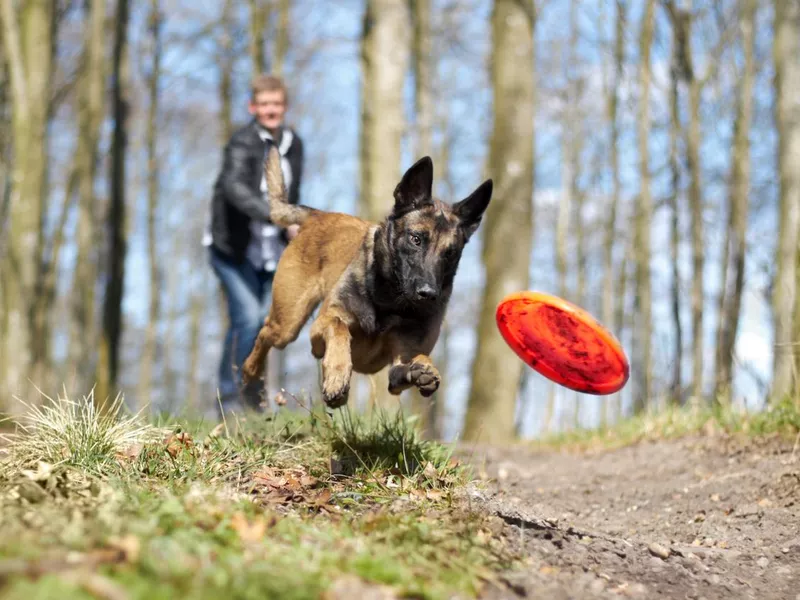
x=470 y=210
x=415 y=188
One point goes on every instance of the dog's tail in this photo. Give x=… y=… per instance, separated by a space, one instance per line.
x=281 y=212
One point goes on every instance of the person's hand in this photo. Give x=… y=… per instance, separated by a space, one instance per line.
x=292 y=231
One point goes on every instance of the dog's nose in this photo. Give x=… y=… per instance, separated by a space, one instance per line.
x=426 y=291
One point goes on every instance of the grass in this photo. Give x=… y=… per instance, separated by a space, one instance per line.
x=105 y=505
x=781 y=419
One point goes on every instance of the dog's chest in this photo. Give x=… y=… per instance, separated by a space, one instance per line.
x=370 y=352
x=373 y=350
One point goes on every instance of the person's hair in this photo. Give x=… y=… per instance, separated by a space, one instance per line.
x=268 y=83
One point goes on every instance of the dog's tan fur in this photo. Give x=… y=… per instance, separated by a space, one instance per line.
x=332 y=255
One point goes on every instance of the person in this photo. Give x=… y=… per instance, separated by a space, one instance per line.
x=244 y=245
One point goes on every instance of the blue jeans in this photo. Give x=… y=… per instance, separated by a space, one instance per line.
x=248 y=293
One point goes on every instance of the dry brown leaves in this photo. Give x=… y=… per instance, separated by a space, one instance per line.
x=276 y=486
x=252 y=531
x=177 y=442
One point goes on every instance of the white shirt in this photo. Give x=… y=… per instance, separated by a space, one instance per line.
x=265 y=245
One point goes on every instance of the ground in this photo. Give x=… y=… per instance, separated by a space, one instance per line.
x=700 y=517
x=702 y=506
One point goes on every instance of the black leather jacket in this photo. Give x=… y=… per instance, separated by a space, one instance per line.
x=237 y=195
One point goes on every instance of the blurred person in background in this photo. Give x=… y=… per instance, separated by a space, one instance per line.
x=243 y=244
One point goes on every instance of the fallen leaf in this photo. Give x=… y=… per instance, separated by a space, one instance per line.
x=176 y=442
x=129 y=544
x=264 y=474
x=276 y=497
x=430 y=471
x=308 y=481
x=131 y=452
x=434 y=495
x=42 y=472
x=248 y=532
x=323 y=498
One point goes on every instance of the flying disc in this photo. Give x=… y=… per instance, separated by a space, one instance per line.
x=563 y=342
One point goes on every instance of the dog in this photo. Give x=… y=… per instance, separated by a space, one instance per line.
x=384 y=287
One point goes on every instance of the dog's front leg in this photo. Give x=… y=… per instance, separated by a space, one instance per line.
x=419 y=371
x=330 y=338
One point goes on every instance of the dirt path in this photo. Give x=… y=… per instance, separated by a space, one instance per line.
x=697 y=518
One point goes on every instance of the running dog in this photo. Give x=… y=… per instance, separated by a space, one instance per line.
x=384 y=287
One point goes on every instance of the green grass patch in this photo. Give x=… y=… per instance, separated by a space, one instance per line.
x=781 y=419
x=282 y=506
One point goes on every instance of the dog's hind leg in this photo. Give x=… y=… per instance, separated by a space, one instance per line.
x=330 y=341
x=288 y=314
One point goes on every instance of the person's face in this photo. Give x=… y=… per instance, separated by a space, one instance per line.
x=268 y=108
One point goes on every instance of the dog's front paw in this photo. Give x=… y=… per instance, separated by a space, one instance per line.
x=425 y=376
x=335 y=391
x=335 y=384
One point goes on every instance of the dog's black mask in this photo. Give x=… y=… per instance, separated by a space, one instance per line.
x=420 y=244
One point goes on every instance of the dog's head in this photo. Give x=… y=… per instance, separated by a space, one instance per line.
x=424 y=237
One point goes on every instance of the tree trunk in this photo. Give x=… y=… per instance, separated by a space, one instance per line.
x=740 y=191
x=226 y=72
x=682 y=30
x=621 y=315
x=675 y=234
x=495 y=373
x=422 y=59
x=562 y=222
x=5 y=166
x=5 y=147
x=149 y=352
x=786 y=55
x=170 y=383
x=385 y=57
x=424 y=408
x=281 y=47
x=643 y=327
x=698 y=247
x=574 y=149
x=28 y=48
x=258 y=27
x=112 y=307
x=196 y=334
x=5 y=180
x=83 y=328
x=613 y=109
x=385 y=60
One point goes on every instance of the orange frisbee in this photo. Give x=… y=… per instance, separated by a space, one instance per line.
x=563 y=342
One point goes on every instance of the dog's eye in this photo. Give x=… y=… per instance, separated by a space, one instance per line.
x=415 y=239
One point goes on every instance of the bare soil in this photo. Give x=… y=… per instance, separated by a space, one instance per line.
x=699 y=518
